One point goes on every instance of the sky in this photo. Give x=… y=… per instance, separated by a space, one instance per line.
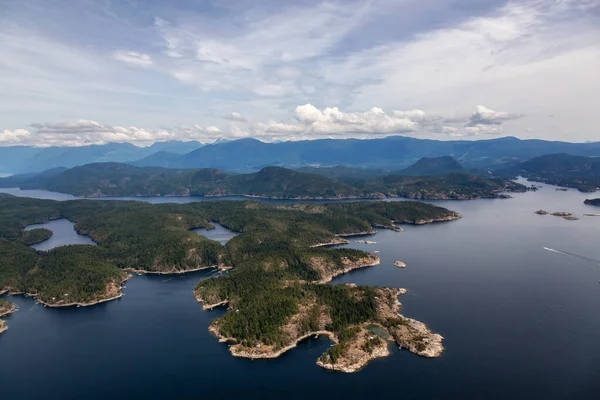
x=83 y=72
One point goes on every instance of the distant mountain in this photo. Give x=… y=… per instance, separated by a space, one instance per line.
x=20 y=159
x=567 y=170
x=248 y=155
x=161 y=159
x=115 y=179
x=433 y=166
x=344 y=172
x=392 y=153
x=174 y=146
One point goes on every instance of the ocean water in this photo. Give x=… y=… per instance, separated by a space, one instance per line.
x=519 y=321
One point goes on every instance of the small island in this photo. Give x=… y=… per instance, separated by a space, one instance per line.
x=541 y=212
x=399 y=264
x=592 y=202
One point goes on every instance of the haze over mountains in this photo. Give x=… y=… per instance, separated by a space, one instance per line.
x=22 y=159
x=393 y=153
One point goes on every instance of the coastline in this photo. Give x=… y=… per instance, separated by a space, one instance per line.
x=112 y=285
x=171 y=272
x=9 y=311
x=210 y=306
x=3 y=325
x=448 y=218
x=374 y=260
x=237 y=350
x=374 y=196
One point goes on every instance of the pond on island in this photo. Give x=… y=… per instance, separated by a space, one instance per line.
x=219 y=234
x=520 y=322
x=63 y=234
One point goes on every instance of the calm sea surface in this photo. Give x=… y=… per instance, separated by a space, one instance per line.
x=520 y=321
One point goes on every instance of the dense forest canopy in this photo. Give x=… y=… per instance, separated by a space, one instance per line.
x=157 y=238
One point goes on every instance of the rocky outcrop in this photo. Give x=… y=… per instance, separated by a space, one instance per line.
x=561 y=214
x=6 y=308
x=423 y=221
x=329 y=271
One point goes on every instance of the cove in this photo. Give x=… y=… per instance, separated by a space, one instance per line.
x=63 y=234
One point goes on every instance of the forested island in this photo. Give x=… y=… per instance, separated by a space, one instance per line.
x=114 y=179
x=592 y=202
x=276 y=292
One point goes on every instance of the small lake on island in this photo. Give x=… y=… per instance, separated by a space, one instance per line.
x=219 y=234
x=63 y=234
x=520 y=321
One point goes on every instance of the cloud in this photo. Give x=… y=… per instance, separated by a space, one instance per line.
x=234 y=117
x=133 y=58
x=486 y=116
x=86 y=132
x=259 y=52
x=15 y=137
x=533 y=57
x=311 y=121
x=413 y=115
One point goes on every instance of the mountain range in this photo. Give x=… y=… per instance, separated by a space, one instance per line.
x=22 y=159
x=390 y=154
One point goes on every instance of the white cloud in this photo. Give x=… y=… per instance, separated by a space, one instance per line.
x=133 y=58
x=311 y=121
x=87 y=132
x=413 y=115
x=536 y=58
x=15 y=137
x=260 y=55
x=530 y=56
x=235 y=117
x=486 y=116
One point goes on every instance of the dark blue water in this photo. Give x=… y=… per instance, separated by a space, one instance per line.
x=63 y=233
x=520 y=322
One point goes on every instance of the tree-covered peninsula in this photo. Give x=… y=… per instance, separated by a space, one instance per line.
x=592 y=202
x=276 y=292
x=114 y=179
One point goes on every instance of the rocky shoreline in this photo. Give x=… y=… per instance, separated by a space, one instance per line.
x=4 y=311
x=373 y=196
x=170 y=272
x=332 y=242
x=327 y=276
x=113 y=292
x=448 y=218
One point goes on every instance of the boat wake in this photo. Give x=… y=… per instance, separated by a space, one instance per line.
x=564 y=253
